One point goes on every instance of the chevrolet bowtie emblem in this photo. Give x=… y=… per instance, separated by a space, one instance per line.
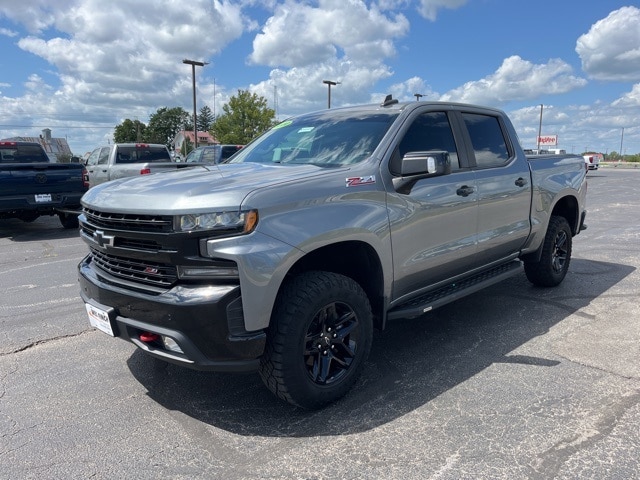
x=103 y=240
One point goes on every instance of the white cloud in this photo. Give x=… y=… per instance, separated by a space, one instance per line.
x=110 y=56
x=34 y=15
x=429 y=8
x=123 y=59
x=406 y=91
x=298 y=35
x=301 y=89
x=631 y=99
x=611 y=48
x=8 y=33
x=603 y=122
x=518 y=79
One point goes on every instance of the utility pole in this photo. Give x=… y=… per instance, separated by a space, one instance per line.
x=418 y=96
x=193 y=64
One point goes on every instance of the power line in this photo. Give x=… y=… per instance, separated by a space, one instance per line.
x=48 y=126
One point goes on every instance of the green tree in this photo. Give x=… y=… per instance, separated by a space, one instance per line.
x=129 y=131
x=245 y=117
x=205 y=119
x=165 y=124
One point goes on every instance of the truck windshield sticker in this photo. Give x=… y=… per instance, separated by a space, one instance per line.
x=358 y=181
x=283 y=124
x=305 y=129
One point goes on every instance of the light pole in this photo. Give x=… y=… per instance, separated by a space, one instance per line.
x=418 y=96
x=329 y=83
x=193 y=64
x=540 y=128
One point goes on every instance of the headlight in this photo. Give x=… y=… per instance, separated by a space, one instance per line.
x=230 y=222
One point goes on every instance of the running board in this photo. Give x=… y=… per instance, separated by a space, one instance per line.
x=449 y=293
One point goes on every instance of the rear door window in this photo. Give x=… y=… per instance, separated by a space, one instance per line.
x=488 y=140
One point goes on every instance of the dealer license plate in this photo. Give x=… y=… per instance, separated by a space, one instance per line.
x=43 y=198
x=99 y=319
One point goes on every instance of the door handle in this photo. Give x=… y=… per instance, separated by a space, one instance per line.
x=521 y=182
x=464 y=191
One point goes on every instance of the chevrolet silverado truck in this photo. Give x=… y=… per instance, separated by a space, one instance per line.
x=120 y=160
x=326 y=227
x=32 y=186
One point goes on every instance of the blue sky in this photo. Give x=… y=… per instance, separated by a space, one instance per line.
x=80 y=67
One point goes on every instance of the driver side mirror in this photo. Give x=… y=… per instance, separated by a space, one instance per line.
x=425 y=164
x=417 y=165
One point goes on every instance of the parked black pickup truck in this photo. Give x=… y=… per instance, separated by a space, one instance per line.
x=31 y=186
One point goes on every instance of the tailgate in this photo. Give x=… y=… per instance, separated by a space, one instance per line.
x=47 y=178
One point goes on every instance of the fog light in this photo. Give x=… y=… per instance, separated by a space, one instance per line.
x=171 y=344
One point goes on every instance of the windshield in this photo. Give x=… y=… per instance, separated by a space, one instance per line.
x=323 y=139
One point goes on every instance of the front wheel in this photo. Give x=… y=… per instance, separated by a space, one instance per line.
x=552 y=267
x=320 y=336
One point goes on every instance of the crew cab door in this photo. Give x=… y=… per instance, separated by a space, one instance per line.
x=433 y=221
x=97 y=166
x=503 y=183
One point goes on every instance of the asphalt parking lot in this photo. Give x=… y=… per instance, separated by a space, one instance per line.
x=514 y=382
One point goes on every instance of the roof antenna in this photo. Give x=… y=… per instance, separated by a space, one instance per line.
x=388 y=100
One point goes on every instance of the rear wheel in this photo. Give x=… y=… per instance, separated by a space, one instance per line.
x=553 y=264
x=68 y=220
x=29 y=217
x=319 y=339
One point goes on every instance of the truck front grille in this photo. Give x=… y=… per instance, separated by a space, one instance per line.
x=128 y=221
x=154 y=274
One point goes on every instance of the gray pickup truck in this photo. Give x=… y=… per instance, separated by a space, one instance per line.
x=327 y=226
x=120 y=160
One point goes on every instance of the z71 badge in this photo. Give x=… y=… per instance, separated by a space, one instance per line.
x=358 y=181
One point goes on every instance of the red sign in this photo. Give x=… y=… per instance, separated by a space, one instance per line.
x=548 y=140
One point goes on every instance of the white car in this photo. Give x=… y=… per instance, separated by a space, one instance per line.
x=592 y=161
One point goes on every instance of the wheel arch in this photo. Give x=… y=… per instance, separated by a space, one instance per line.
x=355 y=259
x=567 y=207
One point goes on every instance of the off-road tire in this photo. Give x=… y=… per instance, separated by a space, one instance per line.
x=319 y=339
x=552 y=267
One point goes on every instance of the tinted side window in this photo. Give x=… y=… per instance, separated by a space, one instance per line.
x=487 y=139
x=228 y=150
x=430 y=131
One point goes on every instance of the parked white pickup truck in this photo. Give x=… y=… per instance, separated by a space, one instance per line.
x=120 y=160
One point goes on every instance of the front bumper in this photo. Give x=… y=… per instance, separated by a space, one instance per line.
x=205 y=321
